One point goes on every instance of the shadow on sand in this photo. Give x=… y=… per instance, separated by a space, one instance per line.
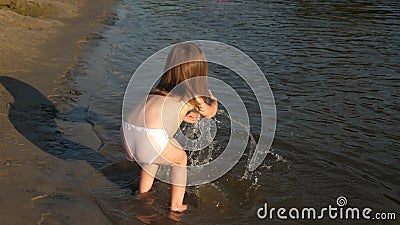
x=34 y=116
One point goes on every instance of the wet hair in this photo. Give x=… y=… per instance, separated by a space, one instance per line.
x=184 y=61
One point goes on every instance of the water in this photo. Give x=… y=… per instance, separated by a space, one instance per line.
x=198 y=140
x=333 y=68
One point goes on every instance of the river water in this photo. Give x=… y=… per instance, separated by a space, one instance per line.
x=333 y=67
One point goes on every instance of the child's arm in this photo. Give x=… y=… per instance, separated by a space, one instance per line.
x=208 y=110
x=192 y=117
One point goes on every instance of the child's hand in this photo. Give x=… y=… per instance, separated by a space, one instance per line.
x=209 y=109
x=192 y=117
x=214 y=101
x=212 y=97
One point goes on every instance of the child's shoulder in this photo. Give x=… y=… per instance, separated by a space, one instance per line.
x=166 y=100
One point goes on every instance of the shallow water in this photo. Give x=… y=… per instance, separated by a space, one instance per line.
x=333 y=69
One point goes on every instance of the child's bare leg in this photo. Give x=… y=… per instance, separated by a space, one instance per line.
x=178 y=180
x=147 y=177
x=175 y=156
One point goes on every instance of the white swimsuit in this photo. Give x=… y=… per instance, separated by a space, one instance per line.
x=143 y=144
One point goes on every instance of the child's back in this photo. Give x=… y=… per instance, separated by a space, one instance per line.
x=159 y=112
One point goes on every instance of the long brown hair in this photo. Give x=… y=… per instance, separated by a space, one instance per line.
x=184 y=61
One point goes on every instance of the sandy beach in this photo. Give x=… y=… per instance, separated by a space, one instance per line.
x=39 y=42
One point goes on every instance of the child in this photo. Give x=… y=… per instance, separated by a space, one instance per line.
x=150 y=126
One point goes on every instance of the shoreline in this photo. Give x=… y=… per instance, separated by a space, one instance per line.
x=38 y=187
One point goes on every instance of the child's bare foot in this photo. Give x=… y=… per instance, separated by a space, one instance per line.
x=179 y=208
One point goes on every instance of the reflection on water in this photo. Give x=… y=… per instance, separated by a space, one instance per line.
x=333 y=68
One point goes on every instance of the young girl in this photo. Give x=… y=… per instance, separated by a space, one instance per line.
x=148 y=129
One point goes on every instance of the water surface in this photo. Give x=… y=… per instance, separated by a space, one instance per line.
x=333 y=69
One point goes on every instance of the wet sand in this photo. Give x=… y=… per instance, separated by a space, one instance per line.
x=39 y=42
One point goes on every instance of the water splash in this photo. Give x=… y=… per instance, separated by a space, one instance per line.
x=200 y=142
x=252 y=143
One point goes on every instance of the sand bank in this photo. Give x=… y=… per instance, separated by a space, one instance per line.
x=24 y=25
x=39 y=41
